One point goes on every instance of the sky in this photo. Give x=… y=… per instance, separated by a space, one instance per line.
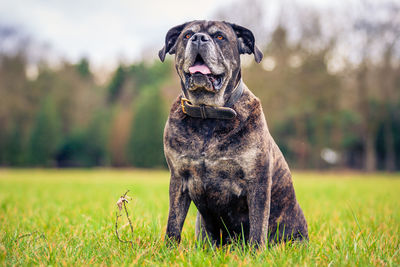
x=105 y=31
x=102 y=30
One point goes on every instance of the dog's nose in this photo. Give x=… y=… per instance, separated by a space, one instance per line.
x=200 y=38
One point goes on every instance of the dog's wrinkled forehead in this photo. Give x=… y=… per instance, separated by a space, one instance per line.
x=210 y=27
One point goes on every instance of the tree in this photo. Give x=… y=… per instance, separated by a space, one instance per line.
x=14 y=147
x=16 y=107
x=86 y=147
x=376 y=76
x=83 y=68
x=145 y=146
x=116 y=84
x=46 y=134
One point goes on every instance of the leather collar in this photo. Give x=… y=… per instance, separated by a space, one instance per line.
x=212 y=112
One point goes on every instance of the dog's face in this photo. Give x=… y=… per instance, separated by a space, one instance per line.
x=208 y=58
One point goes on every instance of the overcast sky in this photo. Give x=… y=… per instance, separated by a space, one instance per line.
x=105 y=31
x=102 y=30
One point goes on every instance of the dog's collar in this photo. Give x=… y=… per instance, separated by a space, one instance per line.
x=212 y=112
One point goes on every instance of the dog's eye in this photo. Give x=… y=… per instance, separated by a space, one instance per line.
x=188 y=35
x=220 y=37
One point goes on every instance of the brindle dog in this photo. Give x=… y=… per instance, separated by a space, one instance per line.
x=231 y=169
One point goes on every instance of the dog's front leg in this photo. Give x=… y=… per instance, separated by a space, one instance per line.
x=259 y=200
x=179 y=202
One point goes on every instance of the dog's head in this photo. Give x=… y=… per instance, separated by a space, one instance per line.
x=207 y=58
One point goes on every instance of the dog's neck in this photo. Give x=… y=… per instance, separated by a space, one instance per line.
x=212 y=112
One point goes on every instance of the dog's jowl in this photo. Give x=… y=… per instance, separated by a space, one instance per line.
x=218 y=148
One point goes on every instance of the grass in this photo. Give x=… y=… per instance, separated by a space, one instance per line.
x=67 y=217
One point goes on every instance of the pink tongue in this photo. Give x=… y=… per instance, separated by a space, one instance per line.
x=199 y=68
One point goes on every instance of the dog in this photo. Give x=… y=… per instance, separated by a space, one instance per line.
x=217 y=145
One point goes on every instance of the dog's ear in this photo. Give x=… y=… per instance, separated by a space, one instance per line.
x=246 y=42
x=170 y=41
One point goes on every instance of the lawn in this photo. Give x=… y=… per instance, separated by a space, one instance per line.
x=67 y=217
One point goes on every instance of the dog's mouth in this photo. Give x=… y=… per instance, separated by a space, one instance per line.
x=200 y=75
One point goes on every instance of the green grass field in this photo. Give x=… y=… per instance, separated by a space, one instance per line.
x=67 y=217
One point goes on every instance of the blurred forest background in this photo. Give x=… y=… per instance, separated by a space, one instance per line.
x=329 y=84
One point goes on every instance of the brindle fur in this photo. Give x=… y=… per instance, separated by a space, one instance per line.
x=232 y=170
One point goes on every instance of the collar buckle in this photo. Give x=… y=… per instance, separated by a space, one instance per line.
x=183 y=101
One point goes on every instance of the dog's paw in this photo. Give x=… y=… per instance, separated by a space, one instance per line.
x=172 y=241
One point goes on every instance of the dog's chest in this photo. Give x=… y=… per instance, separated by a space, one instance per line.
x=211 y=160
x=216 y=179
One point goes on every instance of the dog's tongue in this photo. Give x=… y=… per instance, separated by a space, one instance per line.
x=203 y=69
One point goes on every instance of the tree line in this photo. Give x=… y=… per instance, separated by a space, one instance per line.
x=64 y=118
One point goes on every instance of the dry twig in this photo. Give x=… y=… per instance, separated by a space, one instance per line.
x=121 y=203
